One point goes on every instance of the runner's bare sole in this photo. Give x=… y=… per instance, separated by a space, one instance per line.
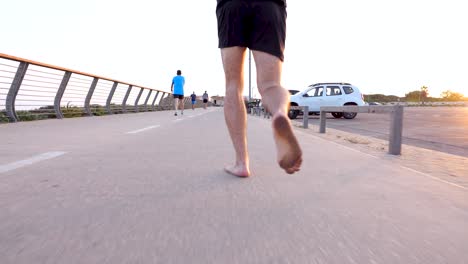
x=289 y=151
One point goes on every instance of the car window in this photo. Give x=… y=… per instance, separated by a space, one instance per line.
x=315 y=92
x=333 y=90
x=293 y=92
x=348 y=89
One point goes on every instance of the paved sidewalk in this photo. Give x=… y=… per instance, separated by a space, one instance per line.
x=149 y=188
x=452 y=169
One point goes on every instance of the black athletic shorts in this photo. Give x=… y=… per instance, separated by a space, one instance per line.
x=180 y=96
x=205 y=101
x=258 y=25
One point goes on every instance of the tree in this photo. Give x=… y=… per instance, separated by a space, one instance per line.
x=451 y=96
x=423 y=94
x=414 y=96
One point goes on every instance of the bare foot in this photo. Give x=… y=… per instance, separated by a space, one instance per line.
x=288 y=149
x=238 y=170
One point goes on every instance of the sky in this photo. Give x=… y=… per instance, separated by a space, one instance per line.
x=390 y=47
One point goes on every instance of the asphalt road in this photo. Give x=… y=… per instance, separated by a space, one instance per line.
x=149 y=188
x=437 y=128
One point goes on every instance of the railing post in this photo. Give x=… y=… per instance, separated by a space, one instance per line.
x=138 y=99
x=124 y=102
x=160 y=101
x=154 y=100
x=13 y=92
x=396 y=128
x=147 y=99
x=305 y=117
x=87 y=104
x=323 y=121
x=59 y=95
x=109 y=98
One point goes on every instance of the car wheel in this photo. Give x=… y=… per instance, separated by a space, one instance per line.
x=292 y=114
x=337 y=115
x=348 y=115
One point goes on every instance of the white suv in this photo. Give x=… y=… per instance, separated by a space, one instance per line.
x=336 y=94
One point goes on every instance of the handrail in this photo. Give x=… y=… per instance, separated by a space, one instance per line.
x=50 y=66
x=396 y=122
x=108 y=101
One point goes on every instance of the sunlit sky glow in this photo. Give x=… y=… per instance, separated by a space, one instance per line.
x=382 y=47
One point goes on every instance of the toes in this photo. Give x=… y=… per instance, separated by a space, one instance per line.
x=293 y=168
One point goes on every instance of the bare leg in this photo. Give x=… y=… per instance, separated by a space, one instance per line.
x=276 y=100
x=234 y=109
x=176 y=102
x=182 y=105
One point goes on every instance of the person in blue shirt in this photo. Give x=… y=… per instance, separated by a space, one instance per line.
x=194 y=100
x=177 y=88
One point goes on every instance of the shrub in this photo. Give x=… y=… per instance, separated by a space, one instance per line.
x=98 y=110
x=72 y=111
x=3 y=117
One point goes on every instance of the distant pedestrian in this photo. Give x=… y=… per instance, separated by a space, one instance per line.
x=259 y=25
x=194 y=100
x=177 y=88
x=205 y=100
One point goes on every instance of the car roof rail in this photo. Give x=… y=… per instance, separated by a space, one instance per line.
x=340 y=83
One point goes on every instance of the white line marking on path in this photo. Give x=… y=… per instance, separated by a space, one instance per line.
x=142 y=130
x=30 y=161
x=375 y=157
x=177 y=120
x=435 y=178
x=337 y=144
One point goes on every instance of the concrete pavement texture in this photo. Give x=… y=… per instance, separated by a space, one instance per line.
x=431 y=163
x=149 y=188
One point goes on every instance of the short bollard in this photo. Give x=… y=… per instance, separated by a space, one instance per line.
x=396 y=131
x=266 y=114
x=323 y=121
x=305 y=117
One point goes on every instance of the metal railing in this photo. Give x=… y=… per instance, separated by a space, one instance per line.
x=31 y=90
x=396 y=123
